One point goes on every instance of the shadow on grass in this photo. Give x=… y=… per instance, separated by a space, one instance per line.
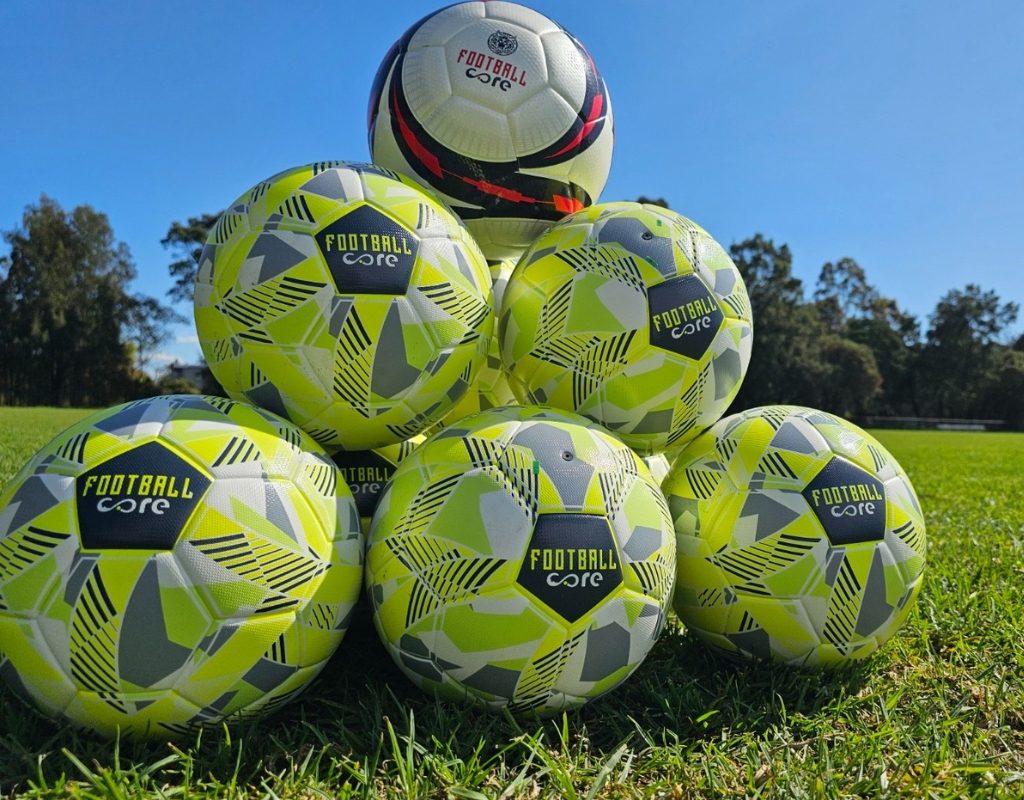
x=355 y=722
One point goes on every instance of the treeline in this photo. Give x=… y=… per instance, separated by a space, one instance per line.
x=849 y=350
x=73 y=334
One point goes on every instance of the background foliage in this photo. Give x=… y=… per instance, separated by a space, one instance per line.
x=72 y=332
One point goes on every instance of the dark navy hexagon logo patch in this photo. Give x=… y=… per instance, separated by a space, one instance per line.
x=572 y=563
x=849 y=502
x=139 y=500
x=365 y=472
x=367 y=252
x=685 y=316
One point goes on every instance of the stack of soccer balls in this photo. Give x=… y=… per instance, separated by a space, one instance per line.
x=181 y=560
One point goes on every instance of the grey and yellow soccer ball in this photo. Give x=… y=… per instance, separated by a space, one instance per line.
x=633 y=316
x=171 y=563
x=346 y=298
x=366 y=472
x=491 y=388
x=522 y=559
x=800 y=537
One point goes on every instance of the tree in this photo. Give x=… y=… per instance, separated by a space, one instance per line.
x=71 y=332
x=172 y=384
x=842 y=292
x=186 y=241
x=145 y=326
x=894 y=342
x=959 y=358
x=852 y=380
x=653 y=201
x=1005 y=396
x=786 y=365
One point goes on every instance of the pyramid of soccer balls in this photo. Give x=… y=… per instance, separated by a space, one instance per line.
x=456 y=366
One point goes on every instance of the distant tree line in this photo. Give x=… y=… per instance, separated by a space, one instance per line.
x=853 y=352
x=73 y=334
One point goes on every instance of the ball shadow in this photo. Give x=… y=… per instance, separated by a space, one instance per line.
x=686 y=692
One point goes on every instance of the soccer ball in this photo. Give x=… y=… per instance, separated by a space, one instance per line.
x=799 y=537
x=501 y=112
x=171 y=563
x=521 y=558
x=491 y=389
x=367 y=472
x=345 y=298
x=633 y=316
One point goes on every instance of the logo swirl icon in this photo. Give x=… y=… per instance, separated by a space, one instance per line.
x=853 y=510
x=365 y=259
x=502 y=43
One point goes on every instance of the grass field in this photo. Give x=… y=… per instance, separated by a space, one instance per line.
x=938 y=713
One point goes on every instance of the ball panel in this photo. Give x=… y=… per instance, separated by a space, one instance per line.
x=437 y=28
x=540 y=119
x=427 y=79
x=523 y=16
x=494 y=64
x=29 y=666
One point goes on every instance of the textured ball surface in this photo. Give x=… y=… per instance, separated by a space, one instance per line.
x=366 y=472
x=491 y=388
x=173 y=562
x=799 y=537
x=345 y=298
x=659 y=465
x=633 y=316
x=501 y=112
x=520 y=559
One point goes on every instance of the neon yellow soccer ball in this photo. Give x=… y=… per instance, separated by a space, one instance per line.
x=491 y=388
x=521 y=558
x=633 y=316
x=347 y=299
x=799 y=537
x=366 y=472
x=171 y=563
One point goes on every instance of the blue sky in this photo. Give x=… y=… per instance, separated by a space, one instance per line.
x=891 y=132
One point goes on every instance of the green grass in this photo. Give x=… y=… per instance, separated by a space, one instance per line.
x=25 y=430
x=938 y=713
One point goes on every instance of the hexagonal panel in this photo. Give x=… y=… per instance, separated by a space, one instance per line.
x=684 y=316
x=366 y=472
x=139 y=500
x=367 y=252
x=571 y=563
x=849 y=502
